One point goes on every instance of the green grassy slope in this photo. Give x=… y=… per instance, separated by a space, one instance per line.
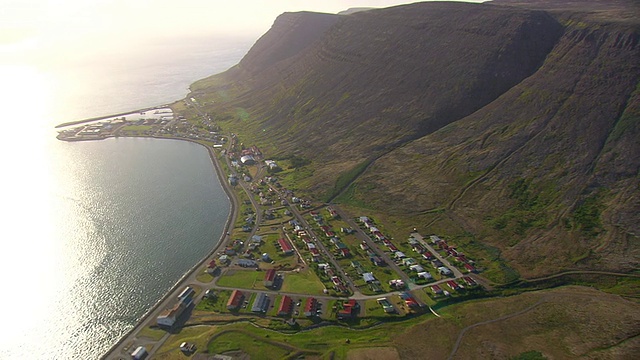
x=548 y=172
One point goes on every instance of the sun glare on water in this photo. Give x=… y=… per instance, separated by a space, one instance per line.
x=33 y=262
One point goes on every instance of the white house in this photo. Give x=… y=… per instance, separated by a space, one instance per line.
x=417 y=268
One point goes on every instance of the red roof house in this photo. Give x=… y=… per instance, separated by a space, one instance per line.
x=235 y=301
x=269 y=277
x=285 y=306
x=310 y=307
x=285 y=246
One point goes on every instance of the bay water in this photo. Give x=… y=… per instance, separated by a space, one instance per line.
x=94 y=233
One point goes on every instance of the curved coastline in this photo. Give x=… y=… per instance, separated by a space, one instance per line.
x=233 y=209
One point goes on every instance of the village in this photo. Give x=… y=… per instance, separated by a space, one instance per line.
x=303 y=264
x=286 y=263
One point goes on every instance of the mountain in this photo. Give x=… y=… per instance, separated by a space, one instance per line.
x=511 y=126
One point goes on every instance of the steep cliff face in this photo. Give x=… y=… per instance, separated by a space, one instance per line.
x=291 y=33
x=379 y=78
x=548 y=172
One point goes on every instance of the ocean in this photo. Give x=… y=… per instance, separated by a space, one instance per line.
x=95 y=233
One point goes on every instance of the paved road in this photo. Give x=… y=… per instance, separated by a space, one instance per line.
x=361 y=235
x=456 y=272
x=298 y=215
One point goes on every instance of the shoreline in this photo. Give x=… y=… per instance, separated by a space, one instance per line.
x=233 y=209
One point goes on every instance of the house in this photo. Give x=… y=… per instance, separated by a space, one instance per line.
x=470 y=268
x=315 y=253
x=469 y=281
x=211 y=267
x=185 y=299
x=139 y=353
x=427 y=255
x=247 y=263
x=377 y=261
x=169 y=316
x=453 y=285
x=285 y=246
x=187 y=295
x=396 y=284
x=399 y=255
x=271 y=164
x=235 y=300
x=417 y=248
x=344 y=252
x=375 y=286
x=425 y=275
x=269 y=277
x=247 y=160
x=408 y=261
x=368 y=277
x=261 y=303
x=436 y=289
x=310 y=307
x=347 y=230
x=409 y=300
x=349 y=309
x=256 y=239
x=285 y=306
x=224 y=259
x=443 y=270
x=210 y=294
x=386 y=305
x=417 y=268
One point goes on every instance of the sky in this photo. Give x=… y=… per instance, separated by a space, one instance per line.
x=57 y=23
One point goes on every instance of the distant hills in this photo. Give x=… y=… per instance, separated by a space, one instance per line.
x=511 y=126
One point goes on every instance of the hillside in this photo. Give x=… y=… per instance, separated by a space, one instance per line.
x=380 y=78
x=511 y=125
x=548 y=172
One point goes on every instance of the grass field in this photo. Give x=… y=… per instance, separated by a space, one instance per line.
x=204 y=277
x=303 y=282
x=256 y=348
x=546 y=322
x=243 y=279
x=219 y=304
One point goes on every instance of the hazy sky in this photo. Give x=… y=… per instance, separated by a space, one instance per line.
x=25 y=23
